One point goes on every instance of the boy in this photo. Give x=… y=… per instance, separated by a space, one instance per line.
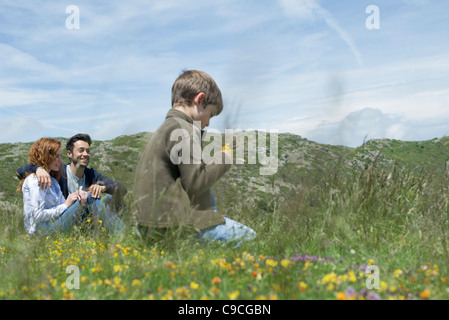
x=172 y=188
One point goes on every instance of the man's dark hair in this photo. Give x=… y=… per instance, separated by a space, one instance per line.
x=80 y=136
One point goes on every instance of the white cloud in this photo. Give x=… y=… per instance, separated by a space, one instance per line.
x=20 y=129
x=358 y=126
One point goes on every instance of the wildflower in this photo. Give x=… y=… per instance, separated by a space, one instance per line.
x=397 y=273
x=234 y=295
x=352 y=276
x=214 y=290
x=117 y=281
x=136 y=283
x=302 y=286
x=183 y=293
x=372 y=296
x=370 y=262
x=216 y=280
x=306 y=265
x=271 y=263
x=350 y=292
x=226 y=148
x=285 y=263
x=118 y=268
x=341 y=296
x=329 y=278
x=194 y=285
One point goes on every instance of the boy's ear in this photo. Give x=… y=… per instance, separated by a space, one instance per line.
x=69 y=154
x=199 y=98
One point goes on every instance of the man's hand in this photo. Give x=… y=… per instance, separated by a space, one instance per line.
x=43 y=178
x=82 y=197
x=96 y=190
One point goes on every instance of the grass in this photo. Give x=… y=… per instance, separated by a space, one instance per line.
x=315 y=242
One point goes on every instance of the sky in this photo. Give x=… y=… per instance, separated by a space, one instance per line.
x=334 y=72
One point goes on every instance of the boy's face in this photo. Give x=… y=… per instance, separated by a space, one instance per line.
x=205 y=113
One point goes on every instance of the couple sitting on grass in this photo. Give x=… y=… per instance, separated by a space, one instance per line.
x=169 y=194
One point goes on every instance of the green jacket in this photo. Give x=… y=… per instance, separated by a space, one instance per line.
x=172 y=193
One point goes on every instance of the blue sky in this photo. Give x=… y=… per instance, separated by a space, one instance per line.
x=309 y=67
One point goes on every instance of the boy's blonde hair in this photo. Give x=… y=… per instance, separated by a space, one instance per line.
x=192 y=82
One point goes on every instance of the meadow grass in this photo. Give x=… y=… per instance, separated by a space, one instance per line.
x=316 y=243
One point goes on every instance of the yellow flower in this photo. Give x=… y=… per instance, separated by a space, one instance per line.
x=136 y=283
x=226 y=147
x=306 y=265
x=352 y=276
x=397 y=273
x=383 y=286
x=285 y=263
x=117 y=281
x=302 y=286
x=194 y=285
x=329 y=278
x=118 y=268
x=234 y=295
x=370 y=262
x=271 y=263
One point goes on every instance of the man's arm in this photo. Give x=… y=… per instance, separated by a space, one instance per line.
x=110 y=186
x=43 y=177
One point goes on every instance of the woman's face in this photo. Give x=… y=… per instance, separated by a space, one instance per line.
x=55 y=165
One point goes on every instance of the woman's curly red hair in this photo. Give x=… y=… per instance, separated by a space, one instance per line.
x=42 y=153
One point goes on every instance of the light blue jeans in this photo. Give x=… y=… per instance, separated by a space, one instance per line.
x=230 y=231
x=100 y=208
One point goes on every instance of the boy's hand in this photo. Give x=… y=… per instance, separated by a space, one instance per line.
x=43 y=178
x=96 y=190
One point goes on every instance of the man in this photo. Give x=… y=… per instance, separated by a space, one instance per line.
x=172 y=188
x=77 y=176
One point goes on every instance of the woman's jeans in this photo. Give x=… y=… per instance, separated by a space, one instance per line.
x=99 y=208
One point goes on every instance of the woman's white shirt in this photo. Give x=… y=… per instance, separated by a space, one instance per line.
x=41 y=206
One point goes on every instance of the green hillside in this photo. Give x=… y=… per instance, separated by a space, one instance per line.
x=300 y=160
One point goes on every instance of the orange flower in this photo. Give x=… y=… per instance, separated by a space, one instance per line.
x=341 y=296
x=425 y=294
x=216 y=280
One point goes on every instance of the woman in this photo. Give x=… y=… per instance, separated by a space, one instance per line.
x=46 y=210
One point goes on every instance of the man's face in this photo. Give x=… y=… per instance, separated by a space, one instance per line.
x=81 y=154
